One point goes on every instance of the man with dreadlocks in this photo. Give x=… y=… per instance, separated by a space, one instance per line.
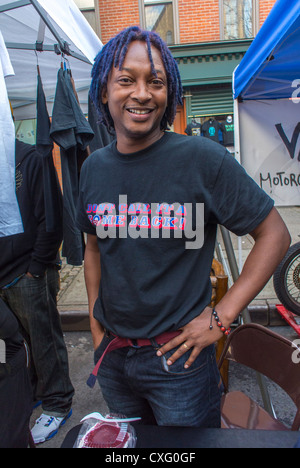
x=142 y=200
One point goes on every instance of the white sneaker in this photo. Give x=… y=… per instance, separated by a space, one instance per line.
x=47 y=427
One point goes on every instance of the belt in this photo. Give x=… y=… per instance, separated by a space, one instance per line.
x=118 y=342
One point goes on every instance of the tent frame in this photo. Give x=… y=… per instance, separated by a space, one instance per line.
x=61 y=48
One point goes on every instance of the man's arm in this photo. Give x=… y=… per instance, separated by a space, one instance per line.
x=92 y=274
x=272 y=241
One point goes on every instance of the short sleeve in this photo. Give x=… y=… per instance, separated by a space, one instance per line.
x=238 y=203
x=83 y=221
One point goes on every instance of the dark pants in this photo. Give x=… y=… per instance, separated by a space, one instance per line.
x=15 y=402
x=33 y=301
x=137 y=383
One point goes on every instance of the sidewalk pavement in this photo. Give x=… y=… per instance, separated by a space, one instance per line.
x=73 y=308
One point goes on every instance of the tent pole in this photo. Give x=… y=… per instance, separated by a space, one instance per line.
x=62 y=45
x=40 y=11
x=237 y=150
x=237 y=145
x=14 y=5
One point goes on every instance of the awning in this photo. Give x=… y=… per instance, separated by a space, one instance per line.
x=46 y=32
x=271 y=65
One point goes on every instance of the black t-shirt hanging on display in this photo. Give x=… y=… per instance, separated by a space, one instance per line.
x=227 y=128
x=210 y=129
x=44 y=146
x=193 y=129
x=71 y=131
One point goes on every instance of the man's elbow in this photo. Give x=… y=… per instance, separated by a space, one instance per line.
x=286 y=240
x=275 y=232
x=283 y=237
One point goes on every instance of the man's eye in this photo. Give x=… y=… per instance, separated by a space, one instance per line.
x=157 y=82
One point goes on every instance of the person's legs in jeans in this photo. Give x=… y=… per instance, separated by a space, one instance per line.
x=33 y=300
x=137 y=383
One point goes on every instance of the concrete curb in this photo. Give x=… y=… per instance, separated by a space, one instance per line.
x=75 y=320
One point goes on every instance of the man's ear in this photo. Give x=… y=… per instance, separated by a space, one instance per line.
x=104 y=96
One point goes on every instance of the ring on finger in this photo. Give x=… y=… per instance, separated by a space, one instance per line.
x=185 y=346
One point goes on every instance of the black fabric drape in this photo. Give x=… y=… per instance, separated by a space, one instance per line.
x=72 y=133
x=44 y=146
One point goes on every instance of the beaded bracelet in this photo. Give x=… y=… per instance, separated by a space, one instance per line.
x=219 y=323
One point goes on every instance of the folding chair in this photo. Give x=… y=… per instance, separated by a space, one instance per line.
x=270 y=354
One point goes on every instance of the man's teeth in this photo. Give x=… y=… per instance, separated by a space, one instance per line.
x=139 y=112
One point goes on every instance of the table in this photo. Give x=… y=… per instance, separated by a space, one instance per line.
x=154 y=437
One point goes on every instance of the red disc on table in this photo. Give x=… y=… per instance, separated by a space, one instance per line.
x=107 y=435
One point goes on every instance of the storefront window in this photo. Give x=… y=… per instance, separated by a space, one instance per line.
x=238 y=19
x=159 y=17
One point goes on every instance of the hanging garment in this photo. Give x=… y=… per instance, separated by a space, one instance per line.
x=44 y=146
x=102 y=137
x=193 y=129
x=210 y=130
x=227 y=128
x=72 y=133
x=10 y=218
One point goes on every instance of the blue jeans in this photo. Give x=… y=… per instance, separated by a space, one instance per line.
x=33 y=301
x=137 y=383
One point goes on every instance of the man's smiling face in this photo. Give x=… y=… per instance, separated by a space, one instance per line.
x=137 y=99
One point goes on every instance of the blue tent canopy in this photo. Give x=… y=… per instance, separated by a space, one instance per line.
x=272 y=62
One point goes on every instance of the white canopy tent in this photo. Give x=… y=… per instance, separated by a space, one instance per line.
x=46 y=32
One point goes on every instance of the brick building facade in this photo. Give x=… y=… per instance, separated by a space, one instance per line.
x=208 y=38
x=199 y=20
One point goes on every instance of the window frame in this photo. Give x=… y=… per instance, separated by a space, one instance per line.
x=255 y=7
x=143 y=3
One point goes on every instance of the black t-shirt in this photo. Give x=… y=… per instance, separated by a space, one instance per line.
x=210 y=129
x=193 y=129
x=151 y=283
x=71 y=131
x=228 y=133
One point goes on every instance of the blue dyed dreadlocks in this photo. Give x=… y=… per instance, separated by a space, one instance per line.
x=113 y=54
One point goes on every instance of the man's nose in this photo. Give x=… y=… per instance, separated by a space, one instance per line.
x=141 y=92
